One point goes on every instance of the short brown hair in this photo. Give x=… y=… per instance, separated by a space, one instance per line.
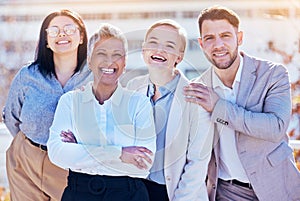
x=218 y=13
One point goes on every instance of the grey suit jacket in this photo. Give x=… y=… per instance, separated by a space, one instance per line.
x=188 y=144
x=260 y=119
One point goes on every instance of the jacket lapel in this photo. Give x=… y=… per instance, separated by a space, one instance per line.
x=175 y=123
x=177 y=108
x=248 y=78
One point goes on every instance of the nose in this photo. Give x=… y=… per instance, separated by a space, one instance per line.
x=160 y=47
x=61 y=32
x=109 y=61
x=218 y=42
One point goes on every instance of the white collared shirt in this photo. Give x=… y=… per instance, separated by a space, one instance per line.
x=230 y=164
x=101 y=132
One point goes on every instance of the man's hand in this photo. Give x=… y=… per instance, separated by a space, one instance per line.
x=202 y=95
x=68 y=136
x=136 y=156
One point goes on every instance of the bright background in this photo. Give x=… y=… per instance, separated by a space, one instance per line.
x=271 y=31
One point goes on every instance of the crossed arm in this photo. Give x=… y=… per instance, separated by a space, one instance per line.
x=132 y=154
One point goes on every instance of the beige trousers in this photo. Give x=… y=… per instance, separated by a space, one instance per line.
x=31 y=175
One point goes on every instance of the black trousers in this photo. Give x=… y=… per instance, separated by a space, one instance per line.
x=157 y=192
x=85 y=187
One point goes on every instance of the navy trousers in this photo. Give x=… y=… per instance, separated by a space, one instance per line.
x=83 y=187
x=157 y=192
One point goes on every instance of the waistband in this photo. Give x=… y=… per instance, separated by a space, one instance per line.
x=97 y=184
x=42 y=147
x=238 y=183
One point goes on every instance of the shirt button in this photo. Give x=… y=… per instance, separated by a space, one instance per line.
x=214 y=186
x=168 y=178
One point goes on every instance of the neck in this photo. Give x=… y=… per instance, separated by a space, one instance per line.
x=65 y=66
x=103 y=92
x=161 y=77
x=227 y=76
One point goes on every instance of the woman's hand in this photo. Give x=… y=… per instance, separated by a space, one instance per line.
x=68 y=136
x=136 y=156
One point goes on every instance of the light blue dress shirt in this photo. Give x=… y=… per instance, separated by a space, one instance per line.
x=161 y=109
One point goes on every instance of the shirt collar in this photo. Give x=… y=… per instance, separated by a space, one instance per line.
x=218 y=83
x=115 y=98
x=170 y=87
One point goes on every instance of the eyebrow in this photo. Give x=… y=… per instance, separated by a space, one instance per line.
x=155 y=38
x=211 y=34
x=104 y=50
x=152 y=37
x=171 y=42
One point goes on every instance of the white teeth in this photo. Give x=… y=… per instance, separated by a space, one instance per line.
x=107 y=70
x=158 y=58
x=220 y=55
x=63 y=42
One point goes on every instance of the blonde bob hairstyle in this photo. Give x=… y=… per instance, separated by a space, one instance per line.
x=168 y=22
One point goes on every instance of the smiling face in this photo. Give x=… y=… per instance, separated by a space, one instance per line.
x=161 y=49
x=63 y=42
x=220 y=41
x=107 y=61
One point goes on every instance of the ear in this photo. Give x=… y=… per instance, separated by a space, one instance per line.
x=200 y=42
x=88 y=62
x=143 y=46
x=143 y=51
x=81 y=39
x=240 y=37
x=180 y=57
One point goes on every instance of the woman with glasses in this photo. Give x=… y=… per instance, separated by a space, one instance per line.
x=113 y=129
x=59 y=67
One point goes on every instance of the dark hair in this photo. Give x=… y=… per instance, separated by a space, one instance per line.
x=44 y=55
x=218 y=13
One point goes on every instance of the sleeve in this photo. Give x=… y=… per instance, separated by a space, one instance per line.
x=144 y=125
x=71 y=155
x=266 y=120
x=13 y=105
x=192 y=184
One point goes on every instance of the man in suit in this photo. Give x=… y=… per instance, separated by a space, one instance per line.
x=183 y=142
x=250 y=105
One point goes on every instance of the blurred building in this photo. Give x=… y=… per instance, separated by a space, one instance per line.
x=263 y=21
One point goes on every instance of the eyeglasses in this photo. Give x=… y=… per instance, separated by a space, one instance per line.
x=68 y=29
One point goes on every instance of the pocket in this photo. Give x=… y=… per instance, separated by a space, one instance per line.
x=17 y=139
x=278 y=155
x=124 y=134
